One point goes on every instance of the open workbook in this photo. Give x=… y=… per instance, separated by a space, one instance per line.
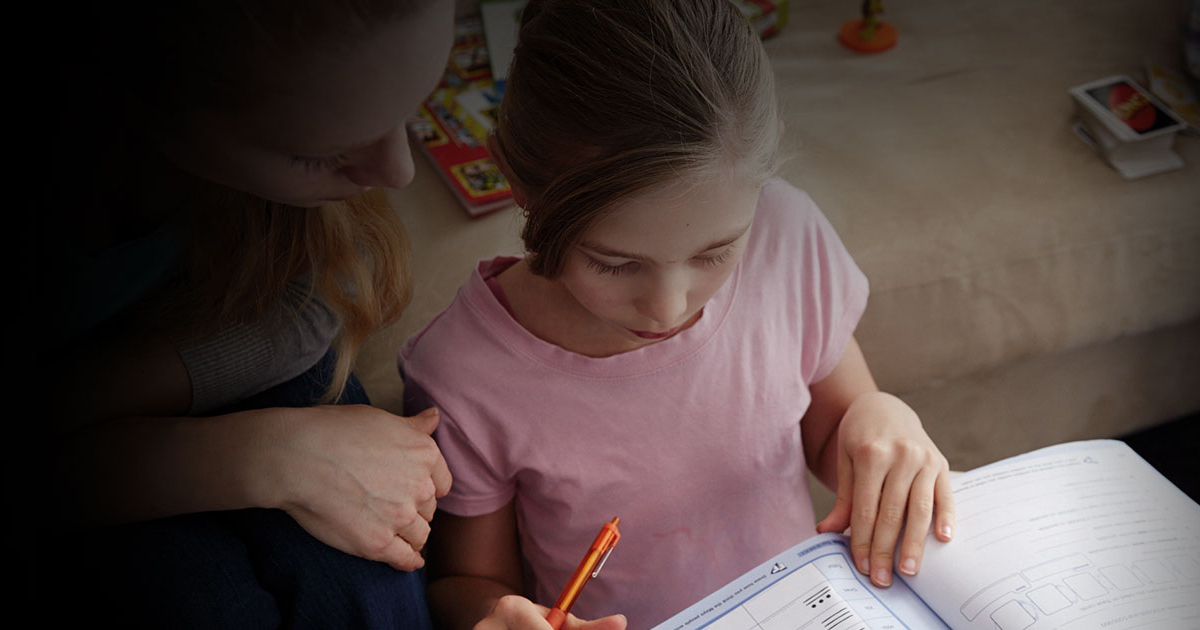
x=1078 y=536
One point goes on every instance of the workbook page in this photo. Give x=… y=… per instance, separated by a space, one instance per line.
x=810 y=587
x=1079 y=536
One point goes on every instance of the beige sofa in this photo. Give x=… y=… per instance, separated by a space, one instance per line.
x=1022 y=292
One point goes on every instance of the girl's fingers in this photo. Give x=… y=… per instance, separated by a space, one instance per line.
x=838 y=518
x=869 y=475
x=943 y=505
x=920 y=515
x=888 y=524
x=612 y=622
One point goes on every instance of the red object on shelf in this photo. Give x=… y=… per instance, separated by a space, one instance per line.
x=851 y=35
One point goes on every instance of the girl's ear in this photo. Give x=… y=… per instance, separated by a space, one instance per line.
x=493 y=148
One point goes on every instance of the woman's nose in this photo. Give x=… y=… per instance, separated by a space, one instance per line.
x=387 y=162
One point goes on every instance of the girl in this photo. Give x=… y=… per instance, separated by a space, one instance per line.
x=220 y=263
x=675 y=347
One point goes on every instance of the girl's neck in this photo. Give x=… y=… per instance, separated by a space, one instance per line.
x=549 y=312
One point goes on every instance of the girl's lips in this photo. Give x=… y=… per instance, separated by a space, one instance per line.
x=652 y=335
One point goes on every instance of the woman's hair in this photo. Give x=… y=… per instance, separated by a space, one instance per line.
x=186 y=53
x=175 y=55
x=607 y=98
x=244 y=250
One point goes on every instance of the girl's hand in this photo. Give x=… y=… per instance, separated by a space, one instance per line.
x=357 y=478
x=890 y=477
x=517 y=613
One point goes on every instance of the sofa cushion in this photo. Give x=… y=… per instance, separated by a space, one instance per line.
x=989 y=231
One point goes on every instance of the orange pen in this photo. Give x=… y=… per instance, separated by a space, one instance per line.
x=588 y=568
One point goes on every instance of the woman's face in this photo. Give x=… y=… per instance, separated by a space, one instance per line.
x=324 y=125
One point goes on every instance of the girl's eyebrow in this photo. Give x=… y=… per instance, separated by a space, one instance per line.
x=616 y=253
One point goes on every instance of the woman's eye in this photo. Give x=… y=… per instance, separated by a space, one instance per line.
x=603 y=268
x=318 y=164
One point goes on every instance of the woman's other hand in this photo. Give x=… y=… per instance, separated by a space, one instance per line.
x=358 y=478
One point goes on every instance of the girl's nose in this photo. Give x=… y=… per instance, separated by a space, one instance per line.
x=388 y=162
x=665 y=301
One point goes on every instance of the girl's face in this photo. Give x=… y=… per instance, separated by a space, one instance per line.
x=644 y=272
x=323 y=125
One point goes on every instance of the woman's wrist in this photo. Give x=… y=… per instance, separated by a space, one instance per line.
x=260 y=455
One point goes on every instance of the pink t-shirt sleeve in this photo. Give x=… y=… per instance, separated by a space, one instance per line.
x=480 y=484
x=477 y=489
x=830 y=288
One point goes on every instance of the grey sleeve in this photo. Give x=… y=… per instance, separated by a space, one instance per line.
x=245 y=359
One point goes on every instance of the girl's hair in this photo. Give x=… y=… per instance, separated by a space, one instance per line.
x=607 y=98
x=172 y=56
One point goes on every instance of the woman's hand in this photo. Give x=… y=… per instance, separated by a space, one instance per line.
x=513 y=612
x=357 y=478
x=890 y=477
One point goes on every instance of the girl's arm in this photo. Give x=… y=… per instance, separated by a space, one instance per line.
x=889 y=476
x=473 y=563
x=475 y=574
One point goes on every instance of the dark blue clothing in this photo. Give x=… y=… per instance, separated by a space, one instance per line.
x=254 y=568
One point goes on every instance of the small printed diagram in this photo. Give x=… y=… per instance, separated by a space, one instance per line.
x=480 y=177
x=822 y=594
x=1055 y=589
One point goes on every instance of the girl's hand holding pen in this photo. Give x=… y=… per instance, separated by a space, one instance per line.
x=891 y=479
x=513 y=612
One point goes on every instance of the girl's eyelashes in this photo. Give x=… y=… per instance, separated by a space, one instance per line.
x=318 y=164
x=717 y=259
x=603 y=268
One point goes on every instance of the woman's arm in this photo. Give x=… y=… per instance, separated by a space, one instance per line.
x=356 y=477
x=888 y=475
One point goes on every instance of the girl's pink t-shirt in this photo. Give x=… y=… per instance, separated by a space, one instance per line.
x=694 y=442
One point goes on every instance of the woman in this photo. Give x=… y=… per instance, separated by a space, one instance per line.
x=212 y=281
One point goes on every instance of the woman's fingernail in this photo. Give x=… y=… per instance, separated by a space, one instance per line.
x=864 y=566
x=947 y=531
x=908 y=566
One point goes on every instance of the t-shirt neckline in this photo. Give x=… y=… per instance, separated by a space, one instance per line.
x=623 y=365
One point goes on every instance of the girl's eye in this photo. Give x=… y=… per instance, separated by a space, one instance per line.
x=615 y=270
x=713 y=261
x=318 y=164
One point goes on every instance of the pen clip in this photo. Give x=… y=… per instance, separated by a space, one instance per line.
x=603 y=559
